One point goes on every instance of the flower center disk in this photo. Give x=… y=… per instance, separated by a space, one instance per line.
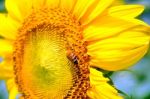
x=50 y=57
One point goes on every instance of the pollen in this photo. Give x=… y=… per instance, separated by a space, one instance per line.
x=50 y=56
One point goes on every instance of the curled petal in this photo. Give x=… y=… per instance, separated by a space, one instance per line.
x=100 y=89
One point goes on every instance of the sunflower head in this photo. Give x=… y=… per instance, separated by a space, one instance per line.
x=48 y=51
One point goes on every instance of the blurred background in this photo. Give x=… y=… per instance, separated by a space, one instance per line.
x=135 y=81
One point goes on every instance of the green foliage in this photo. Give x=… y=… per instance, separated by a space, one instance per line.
x=147 y=96
x=2 y=7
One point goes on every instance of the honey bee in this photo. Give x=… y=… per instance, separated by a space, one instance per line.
x=72 y=57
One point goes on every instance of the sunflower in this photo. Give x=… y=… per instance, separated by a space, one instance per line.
x=56 y=48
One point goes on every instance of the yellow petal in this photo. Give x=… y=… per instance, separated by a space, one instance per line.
x=13 y=93
x=118 y=2
x=104 y=91
x=100 y=89
x=119 y=44
x=25 y=7
x=126 y=11
x=37 y=4
x=6 y=70
x=96 y=77
x=138 y=31
x=117 y=59
x=95 y=10
x=23 y=11
x=6 y=67
x=52 y=3
x=6 y=47
x=68 y=4
x=120 y=51
x=13 y=10
x=8 y=26
x=81 y=7
x=12 y=88
x=106 y=27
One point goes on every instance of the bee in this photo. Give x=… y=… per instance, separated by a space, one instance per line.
x=72 y=57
